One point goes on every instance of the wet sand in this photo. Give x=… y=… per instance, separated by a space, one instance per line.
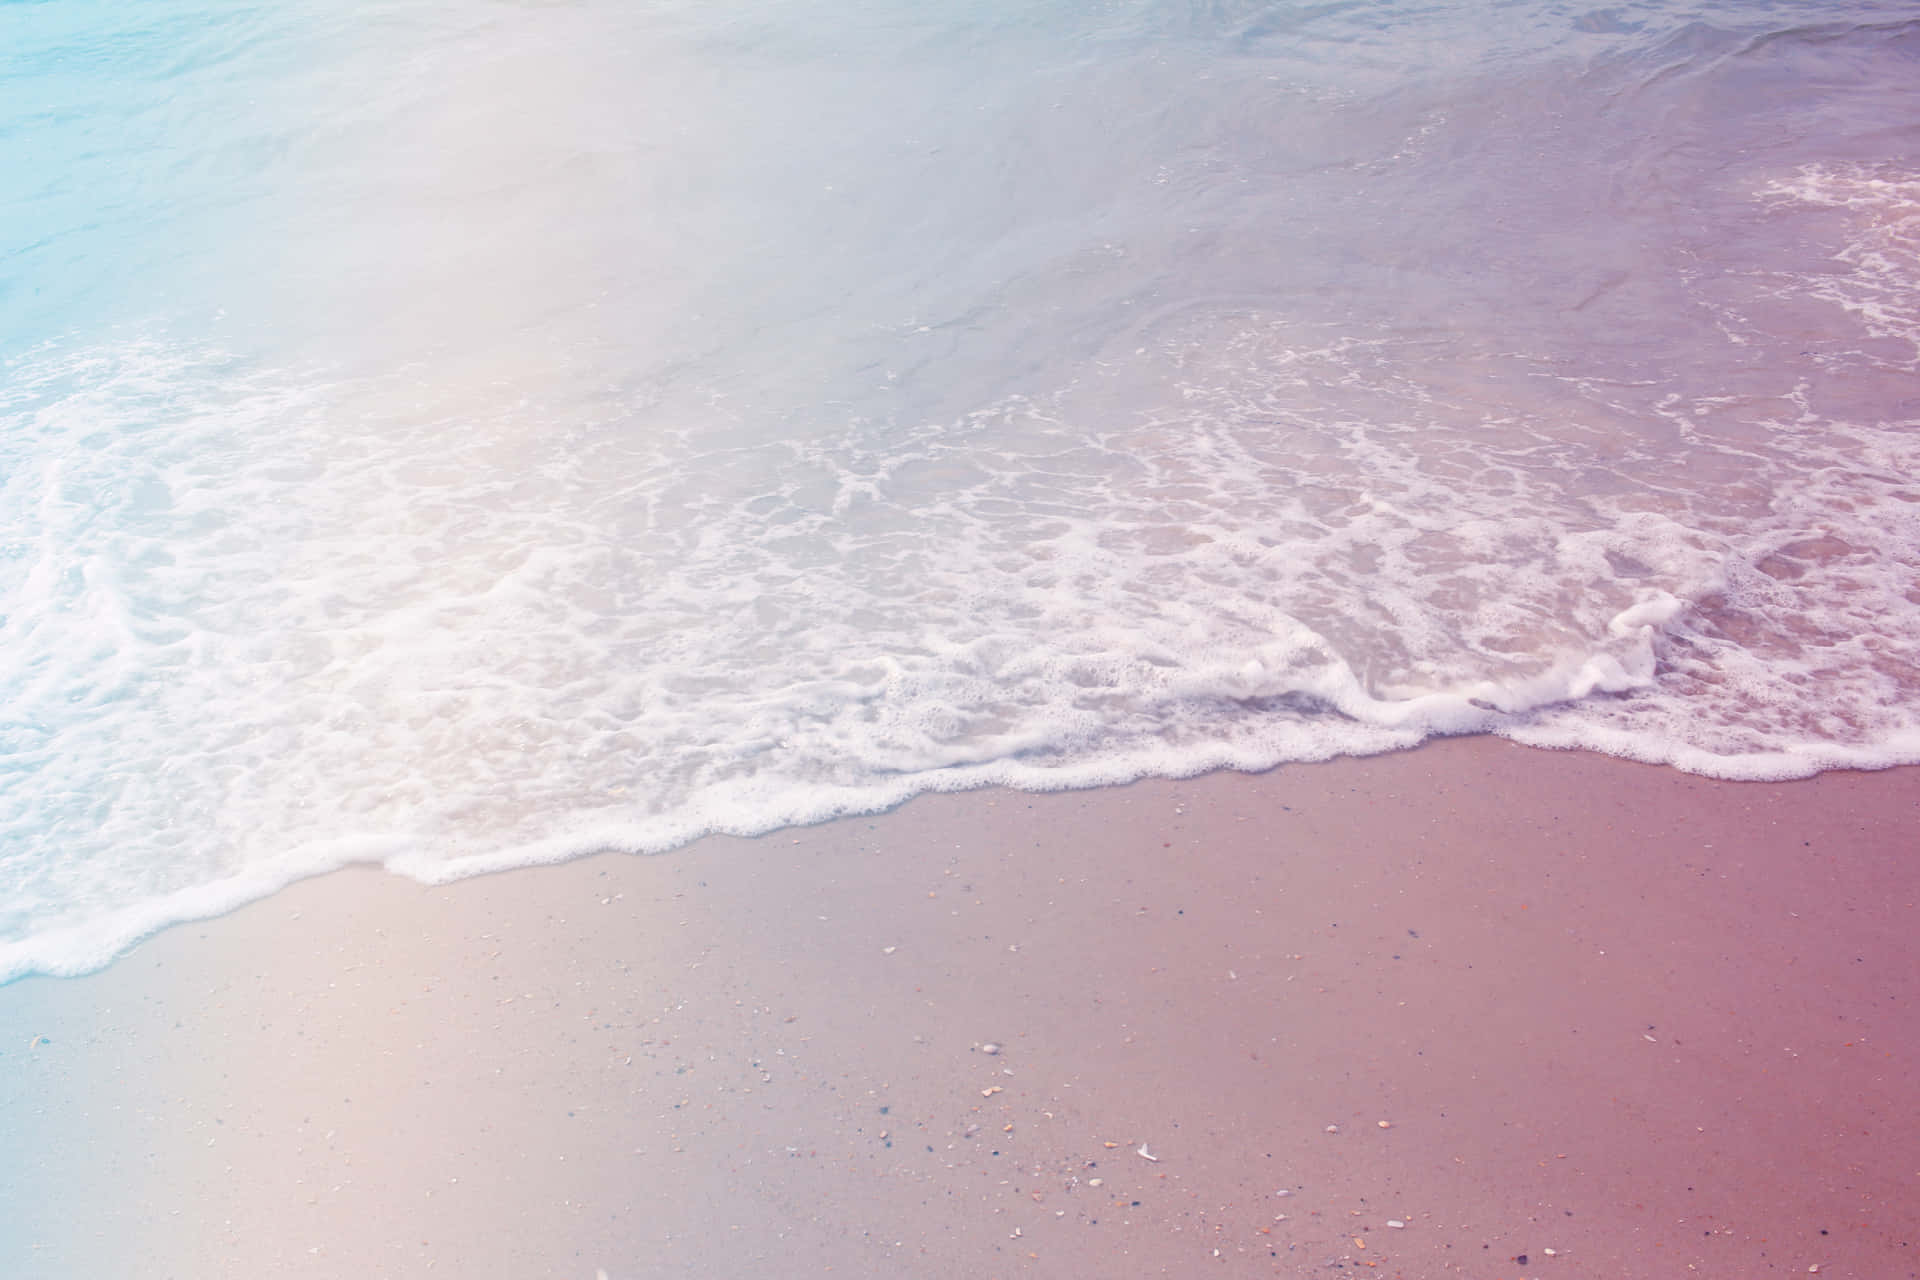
x=1558 y=1015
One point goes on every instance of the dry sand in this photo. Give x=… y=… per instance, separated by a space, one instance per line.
x=1613 y=1019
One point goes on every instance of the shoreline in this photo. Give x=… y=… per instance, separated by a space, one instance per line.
x=79 y=950
x=1639 y=1017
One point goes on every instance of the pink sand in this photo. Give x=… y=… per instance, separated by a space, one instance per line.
x=1613 y=1019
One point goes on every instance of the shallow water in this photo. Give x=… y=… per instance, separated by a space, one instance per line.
x=469 y=435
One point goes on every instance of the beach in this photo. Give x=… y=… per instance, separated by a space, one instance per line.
x=959 y=640
x=1472 y=1009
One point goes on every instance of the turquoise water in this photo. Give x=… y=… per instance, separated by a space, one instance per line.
x=464 y=436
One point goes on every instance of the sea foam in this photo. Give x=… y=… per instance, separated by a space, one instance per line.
x=1303 y=416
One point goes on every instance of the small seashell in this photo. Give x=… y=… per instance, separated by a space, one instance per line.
x=990 y=1048
x=1145 y=1154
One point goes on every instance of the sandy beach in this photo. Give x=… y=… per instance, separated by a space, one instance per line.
x=1469 y=1010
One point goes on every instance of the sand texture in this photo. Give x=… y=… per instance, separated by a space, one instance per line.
x=1612 y=1019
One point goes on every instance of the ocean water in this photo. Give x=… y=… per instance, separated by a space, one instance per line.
x=466 y=435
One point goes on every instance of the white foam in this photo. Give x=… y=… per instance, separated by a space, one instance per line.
x=262 y=620
x=1881 y=250
x=281 y=635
